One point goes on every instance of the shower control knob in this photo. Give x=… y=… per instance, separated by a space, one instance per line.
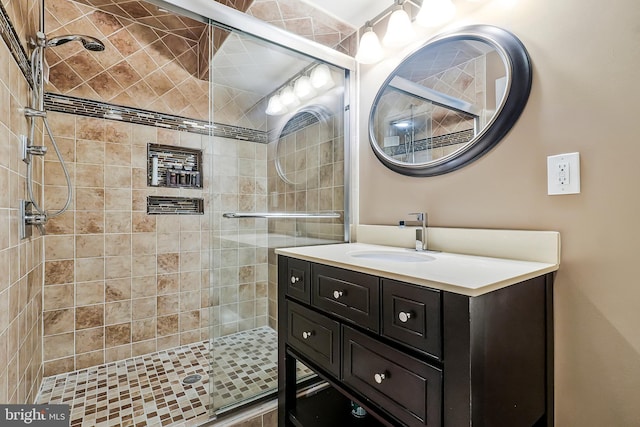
x=307 y=335
x=337 y=294
x=294 y=279
x=379 y=378
x=404 y=316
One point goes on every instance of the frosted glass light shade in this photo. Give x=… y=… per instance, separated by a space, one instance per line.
x=370 y=50
x=275 y=107
x=303 y=88
x=288 y=98
x=435 y=12
x=399 y=29
x=321 y=78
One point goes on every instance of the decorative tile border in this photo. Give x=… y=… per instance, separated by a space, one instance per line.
x=436 y=142
x=10 y=37
x=298 y=122
x=103 y=110
x=164 y=205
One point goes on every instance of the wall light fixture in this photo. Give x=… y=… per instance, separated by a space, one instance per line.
x=399 y=28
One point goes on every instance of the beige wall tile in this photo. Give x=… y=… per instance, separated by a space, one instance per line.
x=118 y=312
x=88 y=293
x=143 y=308
x=144 y=243
x=88 y=340
x=118 y=199
x=90 y=245
x=114 y=354
x=90 y=152
x=90 y=316
x=58 y=321
x=86 y=360
x=59 y=247
x=118 y=222
x=59 y=366
x=118 y=289
x=58 y=296
x=168 y=304
x=89 y=199
x=143 y=286
x=58 y=272
x=89 y=269
x=118 y=267
x=89 y=222
x=117 y=244
x=117 y=335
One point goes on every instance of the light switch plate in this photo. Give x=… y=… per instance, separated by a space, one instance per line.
x=563 y=174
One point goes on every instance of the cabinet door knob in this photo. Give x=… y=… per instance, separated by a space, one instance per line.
x=307 y=335
x=337 y=294
x=404 y=316
x=379 y=378
x=294 y=279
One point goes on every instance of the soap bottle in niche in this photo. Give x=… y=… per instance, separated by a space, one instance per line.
x=173 y=176
x=154 y=170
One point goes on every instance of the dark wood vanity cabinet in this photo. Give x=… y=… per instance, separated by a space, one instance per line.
x=410 y=355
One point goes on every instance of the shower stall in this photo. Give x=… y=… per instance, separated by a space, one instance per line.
x=196 y=143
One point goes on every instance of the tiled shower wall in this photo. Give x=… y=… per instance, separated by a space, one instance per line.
x=118 y=282
x=21 y=267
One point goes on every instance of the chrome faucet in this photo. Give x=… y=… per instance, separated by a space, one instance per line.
x=421 y=233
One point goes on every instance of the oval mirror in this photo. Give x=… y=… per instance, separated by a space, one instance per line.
x=451 y=101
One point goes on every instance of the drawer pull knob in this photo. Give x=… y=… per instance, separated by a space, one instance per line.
x=337 y=294
x=307 y=335
x=379 y=378
x=294 y=279
x=404 y=316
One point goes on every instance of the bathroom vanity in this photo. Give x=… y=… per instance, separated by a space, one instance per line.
x=445 y=340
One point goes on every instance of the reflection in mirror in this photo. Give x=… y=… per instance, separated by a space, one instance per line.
x=441 y=102
x=299 y=142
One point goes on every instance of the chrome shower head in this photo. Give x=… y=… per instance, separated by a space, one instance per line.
x=89 y=43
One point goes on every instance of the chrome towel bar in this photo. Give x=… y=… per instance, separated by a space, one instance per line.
x=302 y=215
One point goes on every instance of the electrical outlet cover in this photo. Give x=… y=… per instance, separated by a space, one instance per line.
x=563 y=174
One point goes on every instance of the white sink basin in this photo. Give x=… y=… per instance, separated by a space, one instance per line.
x=392 y=256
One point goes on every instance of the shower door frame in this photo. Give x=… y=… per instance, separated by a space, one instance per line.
x=213 y=13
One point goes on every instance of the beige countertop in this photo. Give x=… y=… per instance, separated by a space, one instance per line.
x=462 y=274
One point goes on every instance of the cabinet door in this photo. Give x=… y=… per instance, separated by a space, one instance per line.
x=406 y=387
x=411 y=315
x=315 y=336
x=351 y=295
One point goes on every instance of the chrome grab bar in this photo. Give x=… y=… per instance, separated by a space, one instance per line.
x=281 y=215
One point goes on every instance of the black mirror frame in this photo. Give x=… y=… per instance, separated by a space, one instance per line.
x=519 y=73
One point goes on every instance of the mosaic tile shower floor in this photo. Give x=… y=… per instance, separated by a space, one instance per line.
x=148 y=390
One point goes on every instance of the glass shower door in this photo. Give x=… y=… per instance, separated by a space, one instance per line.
x=277 y=181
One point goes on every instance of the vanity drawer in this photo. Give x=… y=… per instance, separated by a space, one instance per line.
x=298 y=279
x=407 y=388
x=314 y=335
x=411 y=315
x=349 y=294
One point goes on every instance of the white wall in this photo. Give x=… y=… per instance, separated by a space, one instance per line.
x=585 y=94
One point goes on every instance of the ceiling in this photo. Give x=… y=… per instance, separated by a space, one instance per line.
x=247 y=69
x=353 y=12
